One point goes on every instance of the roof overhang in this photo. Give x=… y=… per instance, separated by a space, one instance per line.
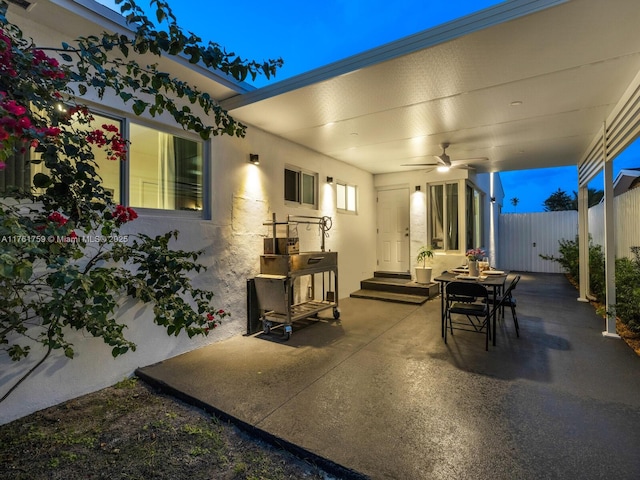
x=70 y=19
x=525 y=84
x=624 y=180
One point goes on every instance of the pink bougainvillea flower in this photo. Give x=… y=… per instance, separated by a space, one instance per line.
x=58 y=218
x=24 y=123
x=123 y=214
x=50 y=131
x=14 y=108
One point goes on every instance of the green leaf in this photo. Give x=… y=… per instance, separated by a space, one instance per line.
x=195 y=56
x=160 y=15
x=139 y=107
x=41 y=180
x=25 y=273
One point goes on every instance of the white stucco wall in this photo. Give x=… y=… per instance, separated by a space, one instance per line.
x=243 y=197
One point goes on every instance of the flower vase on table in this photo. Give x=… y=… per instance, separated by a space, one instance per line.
x=473 y=268
x=473 y=257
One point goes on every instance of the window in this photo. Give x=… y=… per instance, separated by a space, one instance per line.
x=109 y=170
x=346 y=197
x=164 y=171
x=443 y=222
x=474 y=217
x=16 y=175
x=300 y=186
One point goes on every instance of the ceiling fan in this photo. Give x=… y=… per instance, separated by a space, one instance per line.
x=444 y=161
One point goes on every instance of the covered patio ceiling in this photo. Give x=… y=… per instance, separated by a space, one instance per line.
x=526 y=84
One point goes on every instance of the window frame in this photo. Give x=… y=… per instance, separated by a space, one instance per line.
x=347 y=186
x=474 y=216
x=300 y=187
x=446 y=247
x=125 y=122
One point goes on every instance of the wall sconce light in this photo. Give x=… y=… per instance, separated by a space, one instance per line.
x=418 y=188
x=254 y=158
x=493 y=199
x=330 y=180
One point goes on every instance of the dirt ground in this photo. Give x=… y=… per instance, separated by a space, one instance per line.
x=632 y=339
x=128 y=431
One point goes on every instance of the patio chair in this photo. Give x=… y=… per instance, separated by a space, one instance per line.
x=477 y=313
x=508 y=300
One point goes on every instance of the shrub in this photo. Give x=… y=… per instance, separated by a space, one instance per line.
x=628 y=291
x=627 y=307
x=569 y=259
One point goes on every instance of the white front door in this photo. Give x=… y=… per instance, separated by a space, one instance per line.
x=393 y=230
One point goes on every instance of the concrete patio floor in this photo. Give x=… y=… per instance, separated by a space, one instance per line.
x=380 y=394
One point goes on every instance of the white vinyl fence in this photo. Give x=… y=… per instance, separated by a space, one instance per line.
x=526 y=236
x=627 y=222
x=523 y=237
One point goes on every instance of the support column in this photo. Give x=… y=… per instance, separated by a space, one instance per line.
x=583 y=242
x=609 y=251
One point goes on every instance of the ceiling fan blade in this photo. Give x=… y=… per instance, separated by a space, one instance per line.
x=464 y=167
x=444 y=159
x=470 y=159
x=418 y=164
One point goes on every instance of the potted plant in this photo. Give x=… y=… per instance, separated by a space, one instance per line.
x=423 y=273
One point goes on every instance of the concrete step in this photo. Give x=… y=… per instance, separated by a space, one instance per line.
x=399 y=285
x=403 y=275
x=390 y=296
x=396 y=287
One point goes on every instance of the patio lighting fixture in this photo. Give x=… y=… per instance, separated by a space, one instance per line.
x=254 y=158
x=330 y=180
x=443 y=168
x=418 y=188
x=493 y=199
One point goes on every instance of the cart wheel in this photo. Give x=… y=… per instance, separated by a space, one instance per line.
x=266 y=328
x=287 y=332
x=336 y=313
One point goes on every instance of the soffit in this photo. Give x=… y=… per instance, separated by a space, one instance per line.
x=70 y=19
x=569 y=64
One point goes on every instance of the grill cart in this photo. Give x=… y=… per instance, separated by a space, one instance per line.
x=282 y=264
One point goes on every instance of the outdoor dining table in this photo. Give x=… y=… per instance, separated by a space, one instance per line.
x=495 y=280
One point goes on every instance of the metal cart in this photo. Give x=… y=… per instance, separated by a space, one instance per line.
x=278 y=271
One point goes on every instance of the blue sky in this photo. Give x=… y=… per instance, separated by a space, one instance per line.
x=308 y=36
